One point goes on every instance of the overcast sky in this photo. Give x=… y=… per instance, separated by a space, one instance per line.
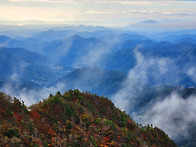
x=94 y=12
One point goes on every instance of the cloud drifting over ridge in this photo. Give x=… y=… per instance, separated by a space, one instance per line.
x=170 y=112
x=29 y=96
x=148 y=70
x=174 y=115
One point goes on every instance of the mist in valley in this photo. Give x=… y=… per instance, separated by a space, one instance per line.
x=142 y=76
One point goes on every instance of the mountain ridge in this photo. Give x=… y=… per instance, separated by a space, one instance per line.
x=97 y=80
x=76 y=119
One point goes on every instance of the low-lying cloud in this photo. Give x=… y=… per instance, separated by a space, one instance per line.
x=147 y=71
x=30 y=96
x=191 y=73
x=174 y=114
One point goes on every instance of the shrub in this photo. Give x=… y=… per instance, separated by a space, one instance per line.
x=12 y=132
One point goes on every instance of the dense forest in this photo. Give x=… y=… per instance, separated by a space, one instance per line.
x=73 y=119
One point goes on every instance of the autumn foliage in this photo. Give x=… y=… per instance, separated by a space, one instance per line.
x=73 y=119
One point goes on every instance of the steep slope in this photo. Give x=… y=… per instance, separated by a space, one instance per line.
x=179 y=104
x=62 y=50
x=20 y=66
x=72 y=51
x=181 y=52
x=93 y=79
x=182 y=55
x=76 y=119
x=149 y=95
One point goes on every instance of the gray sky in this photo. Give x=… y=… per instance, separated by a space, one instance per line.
x=94 y=12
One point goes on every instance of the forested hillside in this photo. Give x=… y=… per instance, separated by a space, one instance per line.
x=73 y=119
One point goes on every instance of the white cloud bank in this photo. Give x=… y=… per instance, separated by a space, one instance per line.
x=148 y=70
x=175 y=115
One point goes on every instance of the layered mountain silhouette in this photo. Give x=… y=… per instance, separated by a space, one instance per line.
x=20 y=66
x=140 y=68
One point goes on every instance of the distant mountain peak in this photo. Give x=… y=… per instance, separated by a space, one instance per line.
x=148 y=22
